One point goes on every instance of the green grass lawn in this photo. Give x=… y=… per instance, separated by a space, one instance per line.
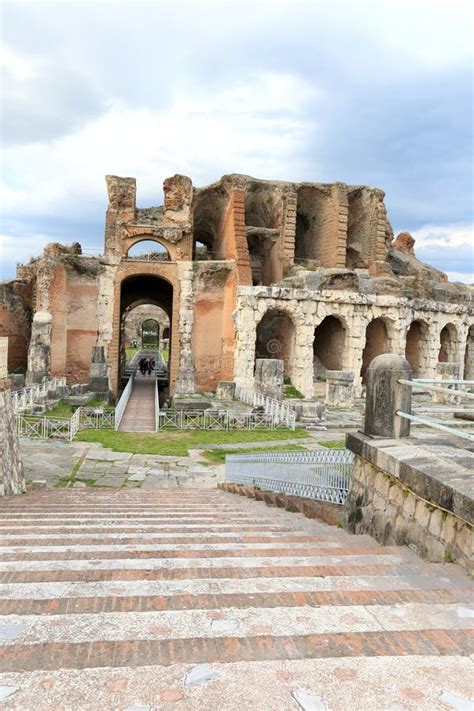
x=64 y=409
x=334 y=444
x=130 y=352
x=178 y=443
x=217 y=456
x=290 y=391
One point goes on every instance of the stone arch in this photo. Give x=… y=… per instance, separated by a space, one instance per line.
x=417 y=347
x=276 y=338
x=328 y=346
x=138 y=289
x=448 y=344
x=469 y=355
x=378 y=339
x=151 y=250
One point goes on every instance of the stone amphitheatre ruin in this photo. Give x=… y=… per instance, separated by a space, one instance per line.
x=308 y=273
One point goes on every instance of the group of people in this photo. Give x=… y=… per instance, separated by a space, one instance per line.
x=146 y=366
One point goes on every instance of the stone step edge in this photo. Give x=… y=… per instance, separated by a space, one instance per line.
x=137 y=653
x=221 y=601
x=332 y=514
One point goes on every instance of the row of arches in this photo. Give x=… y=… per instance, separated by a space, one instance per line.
x=275 y=338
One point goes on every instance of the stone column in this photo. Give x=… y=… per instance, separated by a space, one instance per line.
x=339 y=388
x=301 y=364
x=269 y=377
x=98 y=381
x=12 y=478
x=384 y=396
x=39 y=352
x=185 y=381
x=245 y=335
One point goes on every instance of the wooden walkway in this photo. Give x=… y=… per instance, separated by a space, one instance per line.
x=139 y=415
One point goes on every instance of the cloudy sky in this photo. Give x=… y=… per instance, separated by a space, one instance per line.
x=378 y=93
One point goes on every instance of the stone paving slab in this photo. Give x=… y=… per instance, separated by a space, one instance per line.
x=408 y=684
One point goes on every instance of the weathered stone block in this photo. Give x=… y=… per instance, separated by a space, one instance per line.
x=385 y=396
x=339 y=388
x=269 y=375
x=12 y=478
x=225 y=390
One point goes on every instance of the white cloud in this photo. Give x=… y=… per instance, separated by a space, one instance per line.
x=17 y=67
x=16 y=249
x=257 y=126
x=450 y=235
x=463 y=277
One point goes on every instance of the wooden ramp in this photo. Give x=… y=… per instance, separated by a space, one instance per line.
x=139 y=415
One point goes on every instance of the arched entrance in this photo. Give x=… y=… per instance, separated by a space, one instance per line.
x=328 y=346
x=143 y=293
x=416 y=346
x=448 y=344
x=276 y=339
x=377 y=341
x=148 y=251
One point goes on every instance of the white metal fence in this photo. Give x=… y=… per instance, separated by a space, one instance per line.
x=66 y=428
x=26 y=397
x=279 y=411
x=123 y=401
x=434 y=386
x=157 y=406
x=322 y=474
x=215 y=420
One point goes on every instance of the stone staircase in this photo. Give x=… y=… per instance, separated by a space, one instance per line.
x=199 y=599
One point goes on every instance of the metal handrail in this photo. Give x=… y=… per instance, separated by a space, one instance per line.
x=157 y=405
x=427 y=385
x=279 y=410
x=28 y=396
x=438 y=389
x=123 y=400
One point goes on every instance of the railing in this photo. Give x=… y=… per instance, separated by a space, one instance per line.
x=123 y=401
x=44 y=427
x=430 y=386
x=322 y=474
x=280 y=411
x=215 y=420
x=66 y=428
x=149 y=257
x=96 y=418
x=157 y=406
x=26 y=397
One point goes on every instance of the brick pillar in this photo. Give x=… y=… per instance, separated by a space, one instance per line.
x=288 y=228
x=122 y=208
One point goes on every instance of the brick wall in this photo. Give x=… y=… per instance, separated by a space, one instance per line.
x=15 y=321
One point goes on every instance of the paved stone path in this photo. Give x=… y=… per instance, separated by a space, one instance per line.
x=79 y=464
x=197 y=599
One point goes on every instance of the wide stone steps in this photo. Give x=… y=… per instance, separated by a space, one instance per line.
x=194 y=599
